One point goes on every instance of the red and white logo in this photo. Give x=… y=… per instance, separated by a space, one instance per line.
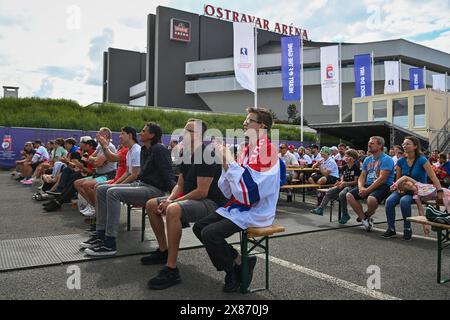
x=330 y=72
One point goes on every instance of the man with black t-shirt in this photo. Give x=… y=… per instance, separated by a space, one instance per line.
x=195 y=196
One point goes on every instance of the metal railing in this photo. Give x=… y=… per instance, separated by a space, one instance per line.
x=442 y=138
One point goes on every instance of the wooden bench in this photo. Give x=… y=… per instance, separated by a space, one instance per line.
x=249 y=236
x=303 y=187
x=443 y=241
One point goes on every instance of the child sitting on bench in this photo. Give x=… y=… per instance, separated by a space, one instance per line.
x=422 y=192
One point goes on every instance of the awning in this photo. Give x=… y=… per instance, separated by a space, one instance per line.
x=359 y=133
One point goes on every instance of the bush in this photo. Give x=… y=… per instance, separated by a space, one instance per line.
x=68 y=114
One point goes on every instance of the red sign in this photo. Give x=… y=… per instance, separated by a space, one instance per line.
x=233 y=16
x=180 y=30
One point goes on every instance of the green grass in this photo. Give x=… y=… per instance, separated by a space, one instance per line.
x=68 y=114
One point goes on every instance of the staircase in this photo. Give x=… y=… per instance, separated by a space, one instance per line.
x=441 y=140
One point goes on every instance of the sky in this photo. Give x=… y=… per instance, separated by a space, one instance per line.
x=54 y=48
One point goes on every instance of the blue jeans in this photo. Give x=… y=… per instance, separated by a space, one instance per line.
x=405 y=206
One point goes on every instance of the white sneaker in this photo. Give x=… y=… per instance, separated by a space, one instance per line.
x=370 y=223
x=88 y=212
x=366 y=224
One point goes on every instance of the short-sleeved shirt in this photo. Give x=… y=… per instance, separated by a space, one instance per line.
x=134 y=157
x=122 y=164
x=418 y=172
x=60 y=152
x=40 y=155
x=315 y=159
x=374 y=166
x=349 y=174
x=331 y=166
x=289 y=159
x=191 y=171
x=304 y=159
x=446 y=167
x=108 y=166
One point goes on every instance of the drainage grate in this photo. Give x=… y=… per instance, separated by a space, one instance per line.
x=67 y=247
x=26 y=253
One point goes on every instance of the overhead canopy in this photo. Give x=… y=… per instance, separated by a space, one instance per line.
x=359 y=133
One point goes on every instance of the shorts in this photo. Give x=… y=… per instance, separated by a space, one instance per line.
x=36 y=164
x=330 y=179
x=100 y=179
x=194 y=210
x=380 y=194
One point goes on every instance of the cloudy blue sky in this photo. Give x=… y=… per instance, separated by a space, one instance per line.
x=53 y=48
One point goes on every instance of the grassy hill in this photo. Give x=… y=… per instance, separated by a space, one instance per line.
x=68 y=114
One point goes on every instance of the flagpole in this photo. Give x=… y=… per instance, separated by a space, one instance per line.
x=373 y=73
x=301 y=89
x=340 y=82
x=425 y=77
x=256 y=65
x=400 y=75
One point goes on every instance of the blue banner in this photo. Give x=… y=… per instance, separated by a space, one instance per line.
x=290 y=68
x=363 y=75
x=416 y=79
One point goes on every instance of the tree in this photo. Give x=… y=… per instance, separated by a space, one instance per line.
x=292 y=112
x=297 y=121
x=274 y=115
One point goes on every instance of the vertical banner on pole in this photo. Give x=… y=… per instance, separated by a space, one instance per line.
x=244 y=55
x=329 y=75
x=416 y=80
x=391 y=77
x=439 y=82
x=363 y=75
x=290 y=68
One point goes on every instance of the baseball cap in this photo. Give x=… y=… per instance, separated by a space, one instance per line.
x=85 y=138
x=325 y=150
x=314 y=146
x=334 y=148
x=291 y=147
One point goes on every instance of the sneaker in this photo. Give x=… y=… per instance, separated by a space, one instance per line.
x=318 y=211
x=101 y=251
x=88 y=212
x=358 y=219
x=370 y=223
x=155 y=257
x=366 y=224
x=232 y=280
x=407 y=234
x=345 y=218
x=166 y=278
x=389 y=234
x=52 y=206
x=91 y=243
x=28 y=182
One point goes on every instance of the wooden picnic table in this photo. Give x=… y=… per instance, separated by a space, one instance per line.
x=443 y=241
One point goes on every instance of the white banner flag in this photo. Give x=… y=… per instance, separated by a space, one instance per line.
x=244 y=54
x=329 y=75
x=391 y=77
x=439 y=82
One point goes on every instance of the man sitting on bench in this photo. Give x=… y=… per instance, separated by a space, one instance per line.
x=376 y=177
x=252 y=184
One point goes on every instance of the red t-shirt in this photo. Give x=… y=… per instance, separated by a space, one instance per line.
x=122 y=165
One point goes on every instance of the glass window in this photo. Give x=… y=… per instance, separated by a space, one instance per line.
x=361 y=111
x=400 y=112
x=380 y=110
x=419 y=112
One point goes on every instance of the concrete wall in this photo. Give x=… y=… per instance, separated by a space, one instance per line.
x=125 y=69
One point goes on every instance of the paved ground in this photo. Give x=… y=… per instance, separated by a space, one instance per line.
x=317 y=260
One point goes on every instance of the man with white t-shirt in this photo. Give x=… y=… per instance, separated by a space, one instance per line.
x=40 y=156
x=315 y=155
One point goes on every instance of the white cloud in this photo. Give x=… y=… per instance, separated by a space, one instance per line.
x=46 y=89
x=43 y=35
x=440 y=43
